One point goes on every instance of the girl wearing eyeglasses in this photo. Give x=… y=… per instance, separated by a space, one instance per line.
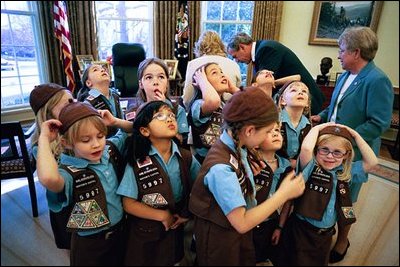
x=326 y=163
x=155 y=188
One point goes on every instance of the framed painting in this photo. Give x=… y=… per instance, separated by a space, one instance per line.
x=172 y=68
x=105 y=64
x=331 y=18
x=84 y=61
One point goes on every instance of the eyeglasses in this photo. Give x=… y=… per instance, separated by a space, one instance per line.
x=161 y=116
x=336 y=154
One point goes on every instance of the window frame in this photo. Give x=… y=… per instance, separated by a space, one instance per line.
x=40 y=55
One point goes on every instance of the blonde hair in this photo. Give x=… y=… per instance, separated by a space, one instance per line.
x=345 y=175
x=307 y=110
x=46 y=113
x=210 y=43
x=71 y=136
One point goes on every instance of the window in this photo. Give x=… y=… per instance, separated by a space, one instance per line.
x=21 y=54
x=124 y=22
x=227 y=18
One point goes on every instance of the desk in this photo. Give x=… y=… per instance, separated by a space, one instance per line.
x=327 y=90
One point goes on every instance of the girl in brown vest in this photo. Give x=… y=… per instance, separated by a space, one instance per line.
x=266 y=235
x=155 y=188
x=223 y=195
x=326 y=163
x=204 y=102
x=294 y=102
x=96 y=219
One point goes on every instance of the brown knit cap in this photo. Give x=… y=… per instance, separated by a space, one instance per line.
x=248 y=104
x=74 y=112
x=42 y=93
x=336 y=130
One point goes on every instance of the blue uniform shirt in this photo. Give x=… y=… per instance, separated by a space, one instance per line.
x=330 y=217
x=107 y=176
x=110 y=102
x=129 y=188
x=181 y=118
x=292 y=133
x=223 y=182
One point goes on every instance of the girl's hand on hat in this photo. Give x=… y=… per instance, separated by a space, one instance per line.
x=315 y=119
x=49 y=129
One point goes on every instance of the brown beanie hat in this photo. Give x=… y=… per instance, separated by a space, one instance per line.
x=42 y=93
x=74 y=112
x=336 y=130
x=248 y=104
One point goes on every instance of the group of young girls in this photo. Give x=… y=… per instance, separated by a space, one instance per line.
x=260 y=183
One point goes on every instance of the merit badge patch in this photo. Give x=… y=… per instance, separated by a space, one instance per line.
x=348 y=212
x=87 y=215
x=233 y=161
x=155 y=200
x=147 y=161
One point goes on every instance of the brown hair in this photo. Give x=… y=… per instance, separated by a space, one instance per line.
x=142 y=67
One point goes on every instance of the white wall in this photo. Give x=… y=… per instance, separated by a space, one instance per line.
x=295 y=31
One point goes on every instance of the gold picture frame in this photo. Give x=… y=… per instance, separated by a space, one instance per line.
x=330 y=18
x=172 y=65
x=106 y=65
x=84 y=61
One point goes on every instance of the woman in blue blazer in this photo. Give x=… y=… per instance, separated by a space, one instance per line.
x=363 y=100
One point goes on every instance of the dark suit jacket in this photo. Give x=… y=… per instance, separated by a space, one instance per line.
x=276 y=57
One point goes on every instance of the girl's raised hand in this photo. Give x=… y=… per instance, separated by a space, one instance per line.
x=108 y=118
x=50 y=129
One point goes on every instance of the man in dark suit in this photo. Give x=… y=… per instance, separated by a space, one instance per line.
x=274 y=56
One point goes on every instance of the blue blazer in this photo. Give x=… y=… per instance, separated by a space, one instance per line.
x=366 y=106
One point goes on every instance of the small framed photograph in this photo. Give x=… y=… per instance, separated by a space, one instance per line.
x=105 y=64
x=84 y=61
x=172 y=65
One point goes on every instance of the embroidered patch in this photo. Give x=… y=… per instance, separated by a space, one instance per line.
x=130 y=115
x=73 y=169
x=211 y=135
x=348 y=212
x=147 y=161
x=258 y=187
x=87 y=215
x=233 y=161
x=155 y=200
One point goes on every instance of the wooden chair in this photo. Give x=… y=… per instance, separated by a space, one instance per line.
x=15 y=160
